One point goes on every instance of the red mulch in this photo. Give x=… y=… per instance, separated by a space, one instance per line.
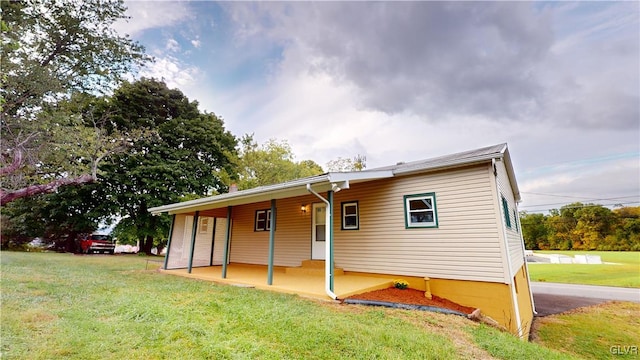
x=412 y=297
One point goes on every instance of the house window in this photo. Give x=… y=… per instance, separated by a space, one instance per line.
x=505 y=209
x=420 y=210
x=515 y=219
x=263 y=220
x=350 y=219
x=204 y=225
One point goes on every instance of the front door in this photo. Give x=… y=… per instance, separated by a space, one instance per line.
x=318 y=231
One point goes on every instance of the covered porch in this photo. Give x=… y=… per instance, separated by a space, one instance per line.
x=304 y=283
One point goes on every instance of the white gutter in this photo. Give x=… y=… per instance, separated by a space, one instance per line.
x=329 y=242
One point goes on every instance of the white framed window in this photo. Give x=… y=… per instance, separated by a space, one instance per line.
x=263 y=220
x=350 y=216
x=420 y=211
x=204 y=225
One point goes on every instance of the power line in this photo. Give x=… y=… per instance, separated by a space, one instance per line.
x=583 y=205
x=588 y=200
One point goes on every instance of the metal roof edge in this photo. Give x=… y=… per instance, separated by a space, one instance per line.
x=238 y=194
x=448 y=164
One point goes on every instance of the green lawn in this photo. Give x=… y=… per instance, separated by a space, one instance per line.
x=625 y=272
x=109 y=307
x=608 y=331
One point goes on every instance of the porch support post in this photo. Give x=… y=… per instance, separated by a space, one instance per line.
x=272 y=229
x=329 y=244
x=227 y=239
x=194 y=229
x=166 y=257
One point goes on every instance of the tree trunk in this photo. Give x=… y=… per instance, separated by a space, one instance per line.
x=70 y=244
x=148 y=245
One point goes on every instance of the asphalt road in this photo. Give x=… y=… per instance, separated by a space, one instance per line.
x=554 y=298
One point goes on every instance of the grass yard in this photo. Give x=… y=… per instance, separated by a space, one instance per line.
x=110 y=307
x=605 y=331
x=624 y=273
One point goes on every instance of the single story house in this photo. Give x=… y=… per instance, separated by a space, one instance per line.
x=448 y=225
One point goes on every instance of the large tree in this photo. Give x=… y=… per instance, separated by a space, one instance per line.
x=267 y=164
x=180 y=154
x=50 y=49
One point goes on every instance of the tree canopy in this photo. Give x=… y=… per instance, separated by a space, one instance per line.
x=181 y=153
x=51 y=49
x=267 y=164
x=580 y=226
x=357 y=163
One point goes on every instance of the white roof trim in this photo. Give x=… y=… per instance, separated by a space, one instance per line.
x=323 y=182
x=277 y=191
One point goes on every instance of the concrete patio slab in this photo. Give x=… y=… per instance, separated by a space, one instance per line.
x=310 y=285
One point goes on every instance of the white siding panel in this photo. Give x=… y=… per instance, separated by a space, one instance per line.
x=218 y=244
x=465 y=245
x=514 y=234
x=202 y=248
x=179 y=248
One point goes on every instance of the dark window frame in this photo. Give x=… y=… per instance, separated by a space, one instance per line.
x=267 y=220
x=343 y=225
x=408 y=222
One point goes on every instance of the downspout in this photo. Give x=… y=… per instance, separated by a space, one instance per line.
x=328 y=269
x=194 y=229
x=514 y=296
x=166 y=257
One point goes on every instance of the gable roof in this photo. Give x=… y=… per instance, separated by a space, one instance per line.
x=452 y=160
x=330 y=180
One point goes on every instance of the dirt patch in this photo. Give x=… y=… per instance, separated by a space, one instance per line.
x=411 y=297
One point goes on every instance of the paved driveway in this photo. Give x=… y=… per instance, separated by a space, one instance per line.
x=553 y=298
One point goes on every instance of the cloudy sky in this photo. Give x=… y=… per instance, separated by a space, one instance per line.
x=402 y=81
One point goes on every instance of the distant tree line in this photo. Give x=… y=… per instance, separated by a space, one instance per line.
x=580 y=226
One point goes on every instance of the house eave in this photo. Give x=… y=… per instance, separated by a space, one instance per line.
x=298 y=187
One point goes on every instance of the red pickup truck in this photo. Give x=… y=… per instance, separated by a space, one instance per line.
x=97 y=243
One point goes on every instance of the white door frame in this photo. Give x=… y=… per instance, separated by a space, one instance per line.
x=318 y=246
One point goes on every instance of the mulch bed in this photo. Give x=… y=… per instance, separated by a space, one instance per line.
x=411 y=297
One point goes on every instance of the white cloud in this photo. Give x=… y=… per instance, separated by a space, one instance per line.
x=172 y=71
x=410 y=81
x=151 y=14
x=172 y=45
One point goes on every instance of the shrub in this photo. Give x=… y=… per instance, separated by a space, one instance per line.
x=400 y=284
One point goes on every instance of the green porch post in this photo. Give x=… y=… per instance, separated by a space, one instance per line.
x=213 y=240
x=272 y=225
x=330 y=239
x=194 y=229
x=166 y=257
x=227 y=239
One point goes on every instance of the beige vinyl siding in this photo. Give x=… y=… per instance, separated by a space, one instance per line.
x=514 y=234
x=465 y=245
x=292 y=242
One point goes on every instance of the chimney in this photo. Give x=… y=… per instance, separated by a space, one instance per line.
x=233 y=188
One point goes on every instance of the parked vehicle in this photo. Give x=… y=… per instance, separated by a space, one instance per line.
x=97 y=243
